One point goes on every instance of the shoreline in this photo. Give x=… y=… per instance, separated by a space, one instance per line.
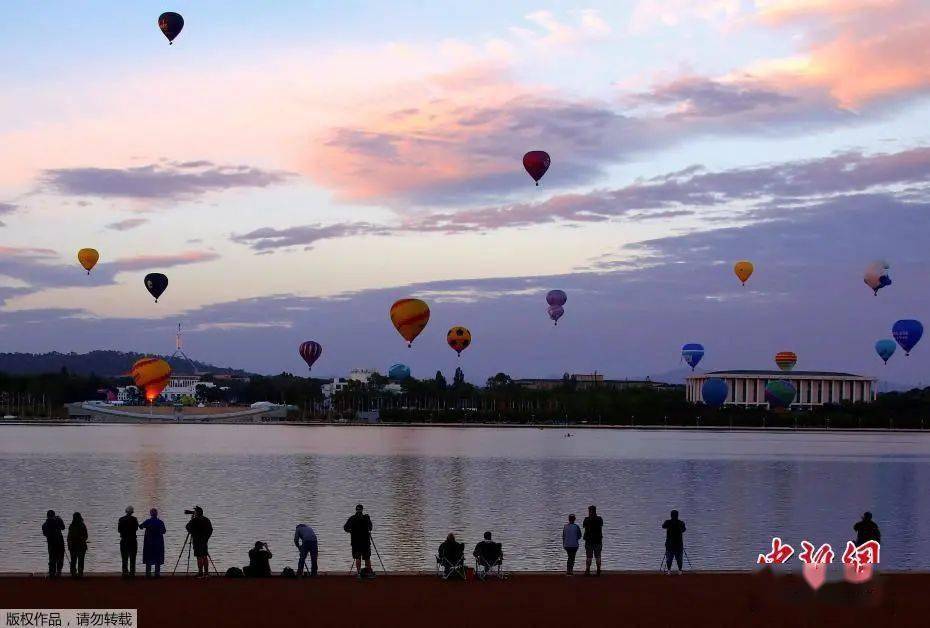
x=522 y=599
x=540 y=426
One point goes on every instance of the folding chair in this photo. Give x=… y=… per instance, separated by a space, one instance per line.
x=490 y=563
x=451 y=564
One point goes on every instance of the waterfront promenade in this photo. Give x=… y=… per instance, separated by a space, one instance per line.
x=524 y=599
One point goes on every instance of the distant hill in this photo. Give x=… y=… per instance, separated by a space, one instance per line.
x=102 y=363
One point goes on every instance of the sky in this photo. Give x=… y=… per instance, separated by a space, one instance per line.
x=296 y=168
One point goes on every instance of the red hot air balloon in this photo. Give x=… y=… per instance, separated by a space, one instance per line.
x=310 y=351
x=536 y=163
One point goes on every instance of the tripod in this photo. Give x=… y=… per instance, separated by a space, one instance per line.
x=189 y=544
x=352 y=565
x=665 y=557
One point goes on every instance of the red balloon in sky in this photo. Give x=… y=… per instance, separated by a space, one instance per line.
x=536 y=163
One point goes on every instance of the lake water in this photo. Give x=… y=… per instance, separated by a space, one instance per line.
x=735 y=490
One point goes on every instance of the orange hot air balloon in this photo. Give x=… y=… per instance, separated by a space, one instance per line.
x=786 y=360
x=151 y=375
x=409 y=316
x=88 y=258
x=459 y=338
x=743 y=270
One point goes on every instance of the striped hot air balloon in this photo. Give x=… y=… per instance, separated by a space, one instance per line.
x=786 y=360
x=151 y=375
x=409 y=316
x=310 y=351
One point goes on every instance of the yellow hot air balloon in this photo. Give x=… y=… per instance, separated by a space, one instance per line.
x=88 y=258
x=743 y=270
x=151 y=375
x=459 y=338
x=409 y=317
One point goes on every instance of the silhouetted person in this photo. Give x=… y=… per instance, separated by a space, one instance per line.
x=305 y=540
x=488 y=553
x=200 y=530
x=593 y=526
x=867 y=530
x=77 y=544
x=571 y=535
x=259 y=561
x=674 y=540
x=153 y=543
x=359 y=528
x=451 y=552
x=52 y=529
x=127 y=526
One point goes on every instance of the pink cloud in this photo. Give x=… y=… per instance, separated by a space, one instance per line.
x=153 y=262
x=858 y=51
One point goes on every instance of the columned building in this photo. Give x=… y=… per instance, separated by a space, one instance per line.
x=814 y=388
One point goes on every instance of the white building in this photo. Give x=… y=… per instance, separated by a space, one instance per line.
x=126 y=393
x=183 y=386
x=814 y=388
x=339 y=384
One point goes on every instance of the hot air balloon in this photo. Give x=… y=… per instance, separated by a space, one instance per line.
x=779 y=393
x=170 y=24
x=458 y=338
x=692 y=353
x=876 y=276
x=786 y=360
x=310 y=351
x=714 y=391
x=743 y=270
x=536 y=163
x=555 y=313
x=907 y=333
x=398 y=372
x=556 y=297
x=88 y=258
x=151 y=375
x=156 y=283
x=885 y=349
x=409 y=316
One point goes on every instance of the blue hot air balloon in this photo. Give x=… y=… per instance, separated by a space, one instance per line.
x=907 y=332
x=692 y=353
x=398 y=372
x=714 y=392
x=885 y=348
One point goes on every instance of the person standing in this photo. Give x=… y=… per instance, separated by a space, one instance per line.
x=200 y=530
x=593 y=526
x=153 y=543
x=867 y=530
x=77 y=545
x=52 y=529
x=674 y=541
x=305 y=540
x=359 y=528
x=128 y=545
x=571 y=534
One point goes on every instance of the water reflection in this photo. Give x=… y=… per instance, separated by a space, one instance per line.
x=735 y=491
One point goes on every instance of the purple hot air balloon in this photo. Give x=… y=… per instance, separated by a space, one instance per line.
x=555 y=313
x=310 y=351
x=556 y=297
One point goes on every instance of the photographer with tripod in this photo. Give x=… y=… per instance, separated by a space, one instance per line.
x=359 y=528
x=200 y=530
x=674 y=541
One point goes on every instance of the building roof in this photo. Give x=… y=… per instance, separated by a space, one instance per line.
x=780 y=374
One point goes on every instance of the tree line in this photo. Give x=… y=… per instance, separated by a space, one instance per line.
x=500 y=400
